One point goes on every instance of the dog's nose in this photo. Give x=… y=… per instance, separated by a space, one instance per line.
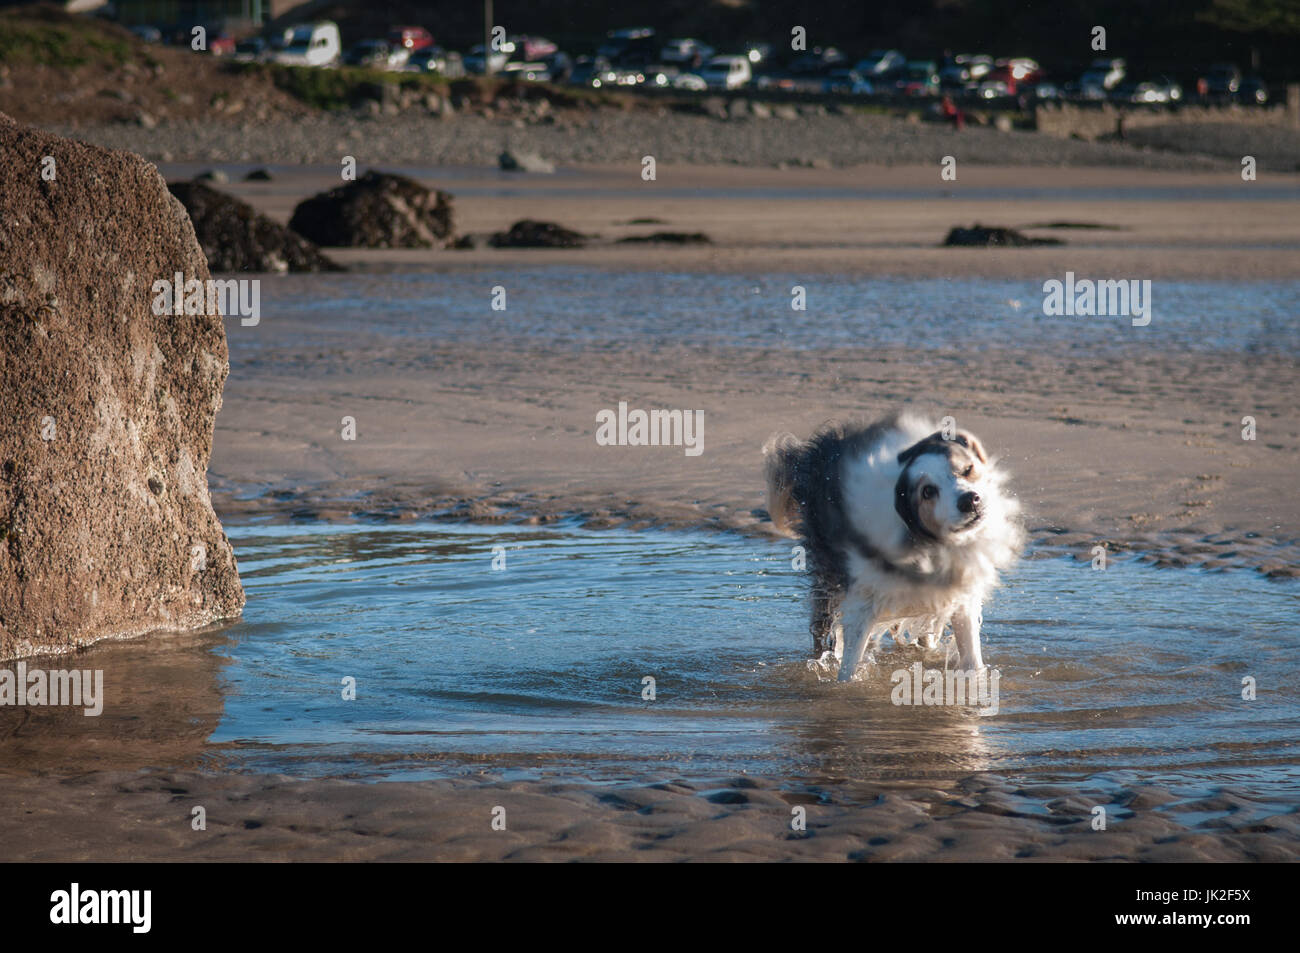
x=968 y=502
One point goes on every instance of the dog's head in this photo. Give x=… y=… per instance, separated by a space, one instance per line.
x=945 y=487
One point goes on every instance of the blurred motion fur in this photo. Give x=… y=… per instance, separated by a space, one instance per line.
x=905 y=530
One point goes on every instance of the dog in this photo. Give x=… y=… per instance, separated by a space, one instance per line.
x=904 y=531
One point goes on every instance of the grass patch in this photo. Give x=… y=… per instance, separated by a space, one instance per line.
x=47 y=37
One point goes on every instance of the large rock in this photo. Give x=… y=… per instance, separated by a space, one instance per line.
x=235 y=237
x=106 y=409
x=378 y=210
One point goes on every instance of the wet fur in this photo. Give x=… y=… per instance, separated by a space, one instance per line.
x=880 y=556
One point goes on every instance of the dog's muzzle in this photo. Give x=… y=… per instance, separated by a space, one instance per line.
x=969 y=503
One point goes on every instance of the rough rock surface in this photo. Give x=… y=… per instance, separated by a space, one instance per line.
x=378 y=210
x=236 y=238
x=530 y=234
x=106 y=528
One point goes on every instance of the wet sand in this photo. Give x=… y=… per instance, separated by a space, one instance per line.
x=1140 y=451
x=147 y=817
x=872 y=220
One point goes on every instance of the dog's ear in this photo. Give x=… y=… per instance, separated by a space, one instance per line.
x=934 y=441
x=968 y=441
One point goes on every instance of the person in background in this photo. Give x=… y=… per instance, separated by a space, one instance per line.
x=950 y=111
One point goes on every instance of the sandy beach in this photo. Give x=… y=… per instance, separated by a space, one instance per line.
x=1138 y=449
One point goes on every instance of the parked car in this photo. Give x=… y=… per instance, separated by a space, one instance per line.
x=533 y=72
x=965 y=69
x=1011 y=75
x=594 y=71
x=410 y=38
x=847 y=81
x=221 y=44
x=1021 y=69
x=1101 y=77
x=1155 y=92
x=474 y=60
x=377 y=54
x=630 y=46
x=660 y=75
x=920 y=78
x=1252 y=91
x=688 y=52
x=254 y=49
x=1223 y=81
x=727 y=72
x=150 y=34
x=529 y=49
x=434 y=59
x=559 y=65
x=879 y=64
x=818 y=62
x=312 y=44
x=690 y=81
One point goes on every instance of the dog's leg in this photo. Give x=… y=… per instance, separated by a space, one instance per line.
x=933 y=630
x=966 y=630
x=856 y=620
x=823 y=621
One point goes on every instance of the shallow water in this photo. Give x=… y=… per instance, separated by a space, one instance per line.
x=1131 y=675
x=570 y=305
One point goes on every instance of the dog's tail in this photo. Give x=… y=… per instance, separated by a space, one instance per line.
x=781 y=456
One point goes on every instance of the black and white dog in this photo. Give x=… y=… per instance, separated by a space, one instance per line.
x=905 y=531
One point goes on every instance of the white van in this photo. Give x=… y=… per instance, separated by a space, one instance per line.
x=727 y=72
x=312 y=44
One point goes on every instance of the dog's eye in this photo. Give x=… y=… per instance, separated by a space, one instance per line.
x=968 y=471
x=929 y=492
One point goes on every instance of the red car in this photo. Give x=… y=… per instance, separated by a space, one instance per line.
x=412 y=37
x=1014 y=72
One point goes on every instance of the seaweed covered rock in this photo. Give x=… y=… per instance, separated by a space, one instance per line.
x=378 y=210
x=234 y=237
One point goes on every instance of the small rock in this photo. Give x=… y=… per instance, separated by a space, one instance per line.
x=979 y=236
x=258 y=175
x=714 y=106
x=531 y=234
x=212 y=175
x=670 y=238
x=511 y=161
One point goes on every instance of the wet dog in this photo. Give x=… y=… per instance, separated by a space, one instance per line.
x=905 y=529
